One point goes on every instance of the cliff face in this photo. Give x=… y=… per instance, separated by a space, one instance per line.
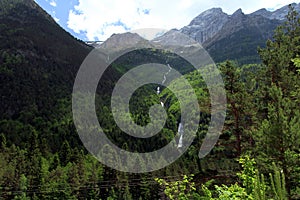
x=213 y=21
x=235 y=36
x=277 y=14
x=206 y=25
x=240 y=37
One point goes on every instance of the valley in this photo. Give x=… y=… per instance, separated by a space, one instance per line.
x=257 y=155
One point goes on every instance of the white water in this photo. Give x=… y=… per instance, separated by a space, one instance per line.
x=180 y=142
x=158 y=90
x=180 y=126
x=181 y=132
x=166 y=74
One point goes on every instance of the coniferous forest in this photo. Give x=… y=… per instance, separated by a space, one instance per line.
x=41 y=156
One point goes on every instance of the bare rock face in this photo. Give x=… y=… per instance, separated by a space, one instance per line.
x=262 y=12
x=235 y=36
x=224 y=36
x=279 y=14
x=123 y=41
x=206 y=25
x=209 y=23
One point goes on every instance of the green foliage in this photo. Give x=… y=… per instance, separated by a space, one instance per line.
x=23 y=188
x=296 y=62
x=207 y=194
x=182 y=189
x=234 y=192
x=277 y=136
x=259 y=187
x=278 y=184
x=248 y=173
x=241 y=45
x=240 y=107
x=41 y=156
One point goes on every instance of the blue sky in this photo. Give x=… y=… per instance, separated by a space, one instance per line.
x=99 y=19
x=59 y=10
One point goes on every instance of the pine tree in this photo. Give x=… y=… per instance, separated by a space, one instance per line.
x=239 y=106
x=23 y=188
x=278 y=184
x=277 y=139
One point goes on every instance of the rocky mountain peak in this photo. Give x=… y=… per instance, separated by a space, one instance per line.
x=116 y=39
x=211 y=13
x=238 y=13
x=206 y=25
x=123 y=41
x=210 y=22
x=279 y=14
x=174 y=38
x=207 y=15
x=262 y=12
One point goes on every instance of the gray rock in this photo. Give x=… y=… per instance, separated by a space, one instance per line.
x=279 y=14
x=209 y=23
x=206 y=25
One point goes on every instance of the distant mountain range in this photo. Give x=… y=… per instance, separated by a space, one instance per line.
x=213 y=21
x=38 y=57
x=233 y=37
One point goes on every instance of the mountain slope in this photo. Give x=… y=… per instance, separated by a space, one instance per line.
x=277 y=14
x=38 y=59
x=240 y=37
x=235 y=36
x=38 y=65
x=206 y=25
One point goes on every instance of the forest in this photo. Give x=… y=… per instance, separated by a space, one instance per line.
x=256 y=157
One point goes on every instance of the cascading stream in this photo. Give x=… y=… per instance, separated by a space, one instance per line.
x=180 y=126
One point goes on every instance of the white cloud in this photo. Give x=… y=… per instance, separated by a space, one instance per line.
x=56 y=19
x=53 y=3
x=53 y=14
x=101 y=18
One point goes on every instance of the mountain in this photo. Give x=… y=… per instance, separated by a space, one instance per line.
x=235 y=36
x=225 y=37
x=126 y=39
x=38 y=65
x=240 y=37
x=39 y=60
x=210 y=22
x=206 y=25
x=142 y=51
x=277 y=14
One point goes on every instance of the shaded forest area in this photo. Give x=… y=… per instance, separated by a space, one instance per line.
x=256 y=157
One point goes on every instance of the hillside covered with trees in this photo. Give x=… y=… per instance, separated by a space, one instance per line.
x=41 y=156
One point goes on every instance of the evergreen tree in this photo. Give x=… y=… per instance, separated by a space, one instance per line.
x=22 y=189
x=277 y=139
x=239 y=106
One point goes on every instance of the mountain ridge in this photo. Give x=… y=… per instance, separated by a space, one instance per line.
x=236 y=36
x=36 y=56
x=202 y=24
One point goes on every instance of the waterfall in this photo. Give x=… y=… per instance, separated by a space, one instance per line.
x=180 y=126
x=165 y=78
x=158 y=90
x=162 y=104
x=180 y=142
x=165 y=75
x=180 y=132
